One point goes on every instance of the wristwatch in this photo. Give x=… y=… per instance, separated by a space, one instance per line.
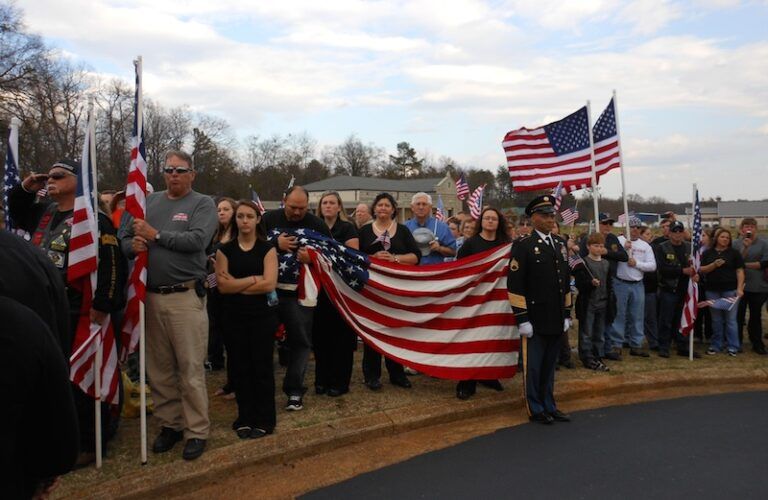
x=157 y=237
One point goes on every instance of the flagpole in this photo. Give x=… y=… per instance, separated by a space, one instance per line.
x=99 y=337
x=621 y=165
x=592 y=157
x=142 y=330
x=693 y=327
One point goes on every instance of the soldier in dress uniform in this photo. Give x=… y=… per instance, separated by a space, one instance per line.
x=539 y=292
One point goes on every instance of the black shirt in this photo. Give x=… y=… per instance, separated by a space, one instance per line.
x=242 y=264
x=343 y=231
x=723 y=278
x=402 y=242
x=477 y=244
x=658 y=241
x=276 y=219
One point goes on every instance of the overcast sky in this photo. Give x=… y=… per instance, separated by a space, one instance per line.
x=453 y=76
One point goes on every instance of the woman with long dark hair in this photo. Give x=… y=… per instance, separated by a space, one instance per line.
x=227 y=230
x=490 y=232
x=246 y=269
x=724 y=268
x=333 y=340
x=385 y=239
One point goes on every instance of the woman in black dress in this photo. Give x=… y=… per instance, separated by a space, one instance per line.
x=225 y=210
x=246 y=269
x=385 y=239
x=489 y=233
x=333 y=340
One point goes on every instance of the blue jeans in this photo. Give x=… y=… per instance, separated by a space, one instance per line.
x=591 y=334
x=651 y=320
x=630 y=312
x=723 y=323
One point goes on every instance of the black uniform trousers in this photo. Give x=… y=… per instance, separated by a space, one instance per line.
x=250 y=347
x=540 y=354
x=334 y=344
x=372 y=366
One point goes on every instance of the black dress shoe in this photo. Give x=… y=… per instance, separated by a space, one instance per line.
x=335 y=393
x=320 y=389
x=663 y=353
x=760 y=350
x=559 y=416
x=614 y=355
x=684 y=354
x=374 y=384
x=492 y=384
x=636 y=351
x=567 y=364
x=401 y=382
x=193 y=449
x=463 y=394
x=542 y=418
x=166 y=439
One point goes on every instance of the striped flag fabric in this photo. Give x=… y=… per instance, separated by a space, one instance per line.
x=605 y=137
x=82 y=270
x=574 y=260
x=570 y=216
x=255 y=198
x=690 y=308
x=723 y=303
x=557 y=193
x=136 y=205
x=476 y=202
x=440 y=210
x=449 y=320
x=462 y=188
x=540 y=158
x=11 y=177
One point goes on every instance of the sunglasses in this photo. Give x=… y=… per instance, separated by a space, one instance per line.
x=57 y=176
x=178 y=170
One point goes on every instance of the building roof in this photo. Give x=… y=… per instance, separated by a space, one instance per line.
x=350 y=183
x=742 y=208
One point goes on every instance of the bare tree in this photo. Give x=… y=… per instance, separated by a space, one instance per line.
x=352 y=157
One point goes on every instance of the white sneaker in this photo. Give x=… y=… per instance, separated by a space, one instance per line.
x=294 y=404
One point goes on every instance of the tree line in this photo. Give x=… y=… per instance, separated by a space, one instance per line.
x=49 y=94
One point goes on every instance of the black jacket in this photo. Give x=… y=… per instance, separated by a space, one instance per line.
x=671 y=277
x=538 y=283
x=585 y=288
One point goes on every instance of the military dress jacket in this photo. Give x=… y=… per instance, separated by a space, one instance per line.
x=538 y=283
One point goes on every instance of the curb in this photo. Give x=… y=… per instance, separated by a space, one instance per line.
x=320 y=438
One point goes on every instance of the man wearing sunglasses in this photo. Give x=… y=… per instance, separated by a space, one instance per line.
x=178 y=228
x=49 y=221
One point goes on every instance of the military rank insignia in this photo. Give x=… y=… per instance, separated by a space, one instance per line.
x=514 y=265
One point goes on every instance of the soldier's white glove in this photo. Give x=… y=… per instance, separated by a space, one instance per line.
x=566 y=324
x=526 y=329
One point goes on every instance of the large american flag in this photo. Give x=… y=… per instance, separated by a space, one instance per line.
x=450 y=320
x=476 y=202
x=82 y=268
x=11 y=177
x=136 y=205
x=540 y=158
x=605 y=137
x=462 y=188
x=690 y=308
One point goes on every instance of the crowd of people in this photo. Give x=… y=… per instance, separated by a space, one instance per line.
x=216 y=297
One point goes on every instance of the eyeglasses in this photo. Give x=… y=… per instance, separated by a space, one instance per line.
x=178 y=170
x=524 y=224
x=57 y=176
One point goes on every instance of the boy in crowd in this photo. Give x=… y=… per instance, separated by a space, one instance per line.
x=593 y=304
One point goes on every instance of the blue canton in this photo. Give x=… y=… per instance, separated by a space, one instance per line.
x=570 y=134
x=349 y=264
x=605 y=126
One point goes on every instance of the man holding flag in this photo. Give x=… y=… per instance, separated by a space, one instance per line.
x=178 y=228
x=50 y=224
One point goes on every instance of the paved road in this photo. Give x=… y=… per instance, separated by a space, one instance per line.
x=700 y=447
